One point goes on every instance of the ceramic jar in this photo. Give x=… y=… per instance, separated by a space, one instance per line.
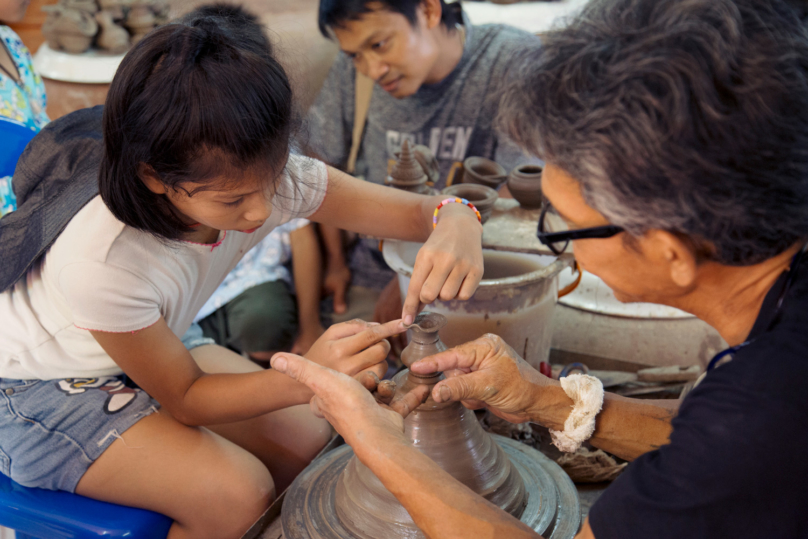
x=483 y=171
x=524 y=183
x=481 y=196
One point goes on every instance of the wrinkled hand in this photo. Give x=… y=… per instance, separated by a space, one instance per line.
x=348 y=405
x=306 y=339
x=354 y=346
x=336 y=281
x=486 y=373
x=450 y=263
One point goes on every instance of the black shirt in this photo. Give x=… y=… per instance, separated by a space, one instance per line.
x=737 y=462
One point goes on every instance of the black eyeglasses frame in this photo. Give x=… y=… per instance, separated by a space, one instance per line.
x=550 y=238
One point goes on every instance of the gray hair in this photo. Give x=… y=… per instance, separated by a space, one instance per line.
x=684 y=115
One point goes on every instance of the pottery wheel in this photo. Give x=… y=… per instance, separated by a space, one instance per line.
x=552 y=510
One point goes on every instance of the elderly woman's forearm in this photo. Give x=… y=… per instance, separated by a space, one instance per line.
x=625 y=427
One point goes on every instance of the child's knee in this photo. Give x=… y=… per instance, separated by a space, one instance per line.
x=232 y=499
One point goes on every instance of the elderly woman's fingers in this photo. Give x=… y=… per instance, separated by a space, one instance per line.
x=469 y=387
x=463 y=357
x=369 y=379
x=407 y=402
x=386 y=389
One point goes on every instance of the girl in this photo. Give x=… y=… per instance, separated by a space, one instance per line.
x=196 y=170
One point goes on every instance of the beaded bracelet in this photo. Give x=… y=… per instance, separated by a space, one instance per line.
x=459 y=201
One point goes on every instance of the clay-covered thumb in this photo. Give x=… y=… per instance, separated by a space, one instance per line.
x=460 y=388
x=293 y=366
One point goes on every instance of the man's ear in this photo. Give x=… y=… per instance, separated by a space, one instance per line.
x=677 y=254
x=149 y=177
x=432 y=11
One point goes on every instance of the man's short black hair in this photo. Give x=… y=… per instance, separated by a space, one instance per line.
x=335 y=13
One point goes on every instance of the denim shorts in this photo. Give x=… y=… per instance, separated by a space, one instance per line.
x=51 y=431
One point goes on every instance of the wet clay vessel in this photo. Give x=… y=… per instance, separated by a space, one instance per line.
x=481 y=196
x=407 y=173
x=484 y=172
x=524 y=183
x=339 y=497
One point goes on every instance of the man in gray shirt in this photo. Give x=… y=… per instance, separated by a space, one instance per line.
x=438 y=81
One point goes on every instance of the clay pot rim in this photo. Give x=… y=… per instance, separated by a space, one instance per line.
x=490 y=194
x=549 y=271
x=518 y=169
x=497 y=179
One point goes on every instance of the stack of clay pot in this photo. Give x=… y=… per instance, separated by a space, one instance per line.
x=112 y=26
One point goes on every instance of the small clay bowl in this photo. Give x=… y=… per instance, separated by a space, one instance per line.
x=483 y=171
x=481 y=196
x=524 y=183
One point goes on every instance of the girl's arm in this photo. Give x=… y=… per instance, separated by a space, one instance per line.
x=450 y=263
x=307 y=269
x=158 y=362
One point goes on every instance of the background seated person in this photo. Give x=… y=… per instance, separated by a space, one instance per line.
x=22 y=99
x=685 y=126
x=437 y=78
x=259 y=309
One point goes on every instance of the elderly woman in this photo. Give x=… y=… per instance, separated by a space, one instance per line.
x=676 y=139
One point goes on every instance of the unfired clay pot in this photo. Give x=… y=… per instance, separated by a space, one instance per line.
x=484 y=172
x=68 y=29
x=112 y=38
x=448 y=433
x=481 y=196
x=407 y=173
x=524 y=183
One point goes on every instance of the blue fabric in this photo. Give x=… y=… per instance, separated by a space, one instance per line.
x=23 y=103
x=195 y=337
x=13 y=139
x=48 y=514
x=56 y=176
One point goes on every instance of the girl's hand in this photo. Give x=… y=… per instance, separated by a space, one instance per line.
x=487 y=373
x=355 y=346
x=450 y=264
x=346 y=403
x=307 y=337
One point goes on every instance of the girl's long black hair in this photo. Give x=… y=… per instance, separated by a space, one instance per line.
x=196 y=100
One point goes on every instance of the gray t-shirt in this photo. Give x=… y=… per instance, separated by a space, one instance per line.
x=454 y=118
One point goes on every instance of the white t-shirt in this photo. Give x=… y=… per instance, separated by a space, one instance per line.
x=102 y=275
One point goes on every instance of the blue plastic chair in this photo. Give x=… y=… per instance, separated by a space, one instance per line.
x=48 y=514
x=14 y=138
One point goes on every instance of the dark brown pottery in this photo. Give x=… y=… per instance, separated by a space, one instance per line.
x=481 y=196
x=484 y=172
x=407 y=173
x=524 y=183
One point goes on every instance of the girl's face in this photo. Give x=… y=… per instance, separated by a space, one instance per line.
x=13 y=10
x=243 y=208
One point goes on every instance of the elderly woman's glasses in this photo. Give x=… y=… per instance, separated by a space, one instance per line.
x=556 y=235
